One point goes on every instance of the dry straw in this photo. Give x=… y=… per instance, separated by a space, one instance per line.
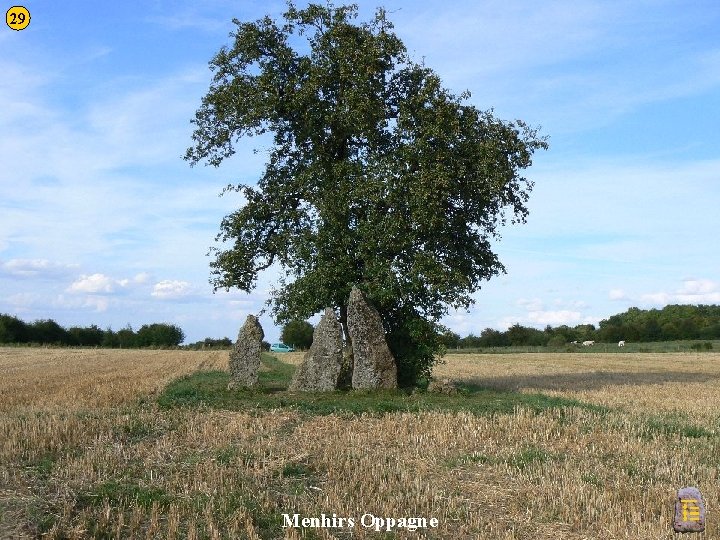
x=84 y=450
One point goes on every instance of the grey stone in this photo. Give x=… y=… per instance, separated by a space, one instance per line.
x=322 y=364
x=373 y=363
x=346 y=370
x=689 y=511
x=245 y=355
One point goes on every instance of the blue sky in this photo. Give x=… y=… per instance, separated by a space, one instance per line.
x=102 y=222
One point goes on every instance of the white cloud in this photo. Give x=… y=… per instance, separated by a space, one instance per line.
x=23 y=301
x=617 y=294
x=569 y=312
x=460 y=322
x=94 y=284
x=102 y=284
x=506 y=322
x=577 y=304
x=555 y=318
x=142 y=278
x=96 y=302
x=658 y=299
x=699 y=291
x=692 y=291
x=171 y=289
x=706 y=298
x=191 y=21
x=35 y=268
x=531 y=305
x=698 y=286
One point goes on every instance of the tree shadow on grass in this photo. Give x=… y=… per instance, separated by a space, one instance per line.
x=592 y=380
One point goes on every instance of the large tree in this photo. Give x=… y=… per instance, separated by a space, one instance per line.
x=377 y=175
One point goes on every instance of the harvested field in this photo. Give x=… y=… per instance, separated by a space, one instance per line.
x=642 y=382
x=594 y=447
x=71 y=379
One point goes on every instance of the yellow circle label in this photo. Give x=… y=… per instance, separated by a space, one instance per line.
x=17 y=17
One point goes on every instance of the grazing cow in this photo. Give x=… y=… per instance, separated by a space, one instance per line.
x=588 y=343
x=574 y=342
x=621 y=343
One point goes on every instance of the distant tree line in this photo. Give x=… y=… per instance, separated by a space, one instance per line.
x=210 y=343
x=217 y=344
x=674 y=322
x=671 y=323
x=49 y=332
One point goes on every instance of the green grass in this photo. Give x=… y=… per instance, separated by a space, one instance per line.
x=674 y=424
x=469 y=459
x=119 y=493
x=135 y=430
x=524 y=459
x=529 y=456
x=209 y=389
x=41 y=466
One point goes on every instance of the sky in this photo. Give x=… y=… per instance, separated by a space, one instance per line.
x=102 y=221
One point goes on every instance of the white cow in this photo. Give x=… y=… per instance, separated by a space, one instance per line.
x=621 y=343
x=588 y=343
x=574 y=342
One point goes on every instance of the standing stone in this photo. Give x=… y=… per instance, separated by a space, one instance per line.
x=374 y=365
x=245 y=355
x=320 y=369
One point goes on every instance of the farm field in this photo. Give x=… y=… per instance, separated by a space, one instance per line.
x=149 y=444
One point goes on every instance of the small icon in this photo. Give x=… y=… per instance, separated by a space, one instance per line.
x=689 y=511
x=17 y=18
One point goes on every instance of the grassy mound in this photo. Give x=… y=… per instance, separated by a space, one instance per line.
x=209 y=389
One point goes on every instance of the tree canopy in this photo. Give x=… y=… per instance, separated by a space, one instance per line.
x=377 y=176
x=299 y=334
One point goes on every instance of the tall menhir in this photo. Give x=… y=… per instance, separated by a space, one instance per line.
x=245 y=355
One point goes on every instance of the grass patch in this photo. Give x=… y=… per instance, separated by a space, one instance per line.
x=291 y=470
x=267 y=522
x=136 y=429
x=40 y=518
x=119 y=494
x=278 y=374
x=232 y=455
x=42 y=465
x=521 y=460
x=209 y=389
x=529 y=456
x=674 y=425
x=592 y=478
x=470 y=459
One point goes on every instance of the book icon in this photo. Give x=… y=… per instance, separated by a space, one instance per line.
x=689 y=511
